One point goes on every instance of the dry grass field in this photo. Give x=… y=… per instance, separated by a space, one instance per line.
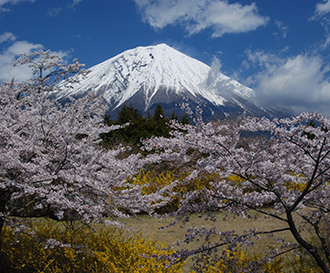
x=148 y=226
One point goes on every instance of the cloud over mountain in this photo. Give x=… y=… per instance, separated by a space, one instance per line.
x=299 y=82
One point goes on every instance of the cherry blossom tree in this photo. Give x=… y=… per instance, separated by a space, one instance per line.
x=283 y=171
x=51 y=163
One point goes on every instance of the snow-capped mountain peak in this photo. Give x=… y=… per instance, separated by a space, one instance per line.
x=146 y=76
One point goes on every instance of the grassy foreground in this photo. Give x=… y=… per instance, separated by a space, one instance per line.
x=148 y=226
x=77 y=248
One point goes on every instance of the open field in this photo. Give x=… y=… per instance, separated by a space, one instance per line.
x=148 y=226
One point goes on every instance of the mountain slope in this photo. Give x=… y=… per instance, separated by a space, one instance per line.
x=146 y=76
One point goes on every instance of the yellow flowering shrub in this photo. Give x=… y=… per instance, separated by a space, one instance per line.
x=235 y=261
x=295 y=186
x=239 y=261
x=53 y=247
x=152 y=181
x=302 y=264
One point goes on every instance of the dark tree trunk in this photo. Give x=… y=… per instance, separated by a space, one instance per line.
x=2 y=266
x=5 y=196
x=310 y=248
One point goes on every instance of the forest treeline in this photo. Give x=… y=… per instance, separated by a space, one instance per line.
x=135 y=126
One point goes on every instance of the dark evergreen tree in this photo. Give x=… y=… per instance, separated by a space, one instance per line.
x=107 y=120
x=159 y=113
x=159 y=121
x=136 y=127
x=128 y=114
x=185 y=119
x=174 y=116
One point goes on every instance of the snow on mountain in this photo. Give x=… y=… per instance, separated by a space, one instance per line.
x=146 y=76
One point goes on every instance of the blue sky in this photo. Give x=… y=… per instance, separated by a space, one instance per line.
x=280 y=48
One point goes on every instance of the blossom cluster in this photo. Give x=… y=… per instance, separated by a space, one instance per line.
x=51 y=160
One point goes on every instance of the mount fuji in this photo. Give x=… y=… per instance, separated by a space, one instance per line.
x=147 y=76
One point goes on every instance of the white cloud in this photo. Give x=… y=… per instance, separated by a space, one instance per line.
x=322 y=8
x=321 y=13
x=214 y=72
x=197 y=15
x=10 y=54
x=54 y=11
x=10 y=50
x=326 y=43
x=283 y=28
x=7 y=36
x=300 y=82
x=75 y=2
x=3 y=2
x=11 y=2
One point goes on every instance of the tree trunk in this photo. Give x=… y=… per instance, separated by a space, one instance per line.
x=5 y=196
x=311 y=249
x=2 y=266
